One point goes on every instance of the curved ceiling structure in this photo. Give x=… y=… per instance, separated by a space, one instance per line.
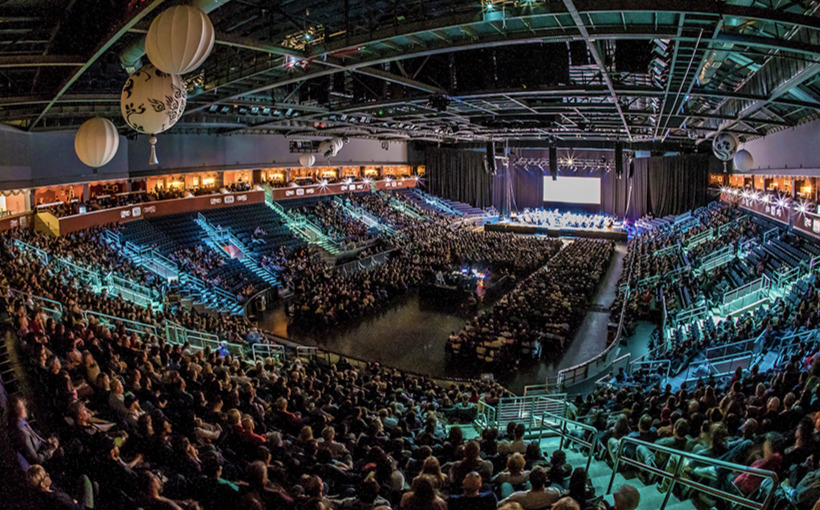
x=439 y=70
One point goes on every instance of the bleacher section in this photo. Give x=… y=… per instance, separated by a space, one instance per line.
x=276 y=233
x=441 y=205
x=169 y=233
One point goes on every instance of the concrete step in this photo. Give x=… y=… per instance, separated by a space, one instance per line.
x=600 y=474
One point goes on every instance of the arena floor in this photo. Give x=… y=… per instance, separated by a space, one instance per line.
x=410 y=336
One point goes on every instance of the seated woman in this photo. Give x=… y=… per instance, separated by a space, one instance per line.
x=514 y=478
x=47 y=496
x=34 y=448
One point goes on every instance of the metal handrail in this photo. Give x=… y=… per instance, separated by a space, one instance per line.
x=767 y=235
x=621 y=359
x=268 y=351
x=562 y=431
x=55 y=307
x=135 y=326
x=758 y=285
x=563 y=374
x=677 y=478
x=44 y=257
x=637 y=364
x=755 y=342
x=79 y=272
x=489 y=414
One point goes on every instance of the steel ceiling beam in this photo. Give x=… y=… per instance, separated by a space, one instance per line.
x=104 y=45
x=794 y=81
x=368 y=55
x=596 y=56
x=9 y=61
x=244 y=43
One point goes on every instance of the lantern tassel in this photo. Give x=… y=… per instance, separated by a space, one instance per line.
x=152 y=159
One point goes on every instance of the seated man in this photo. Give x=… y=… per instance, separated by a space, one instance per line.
x=472 y=498
x=472 y=461
x=539 y=496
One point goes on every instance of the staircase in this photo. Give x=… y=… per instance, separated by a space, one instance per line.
x=195 y=293
x=599 y=474
x=217 y=238
x=437 y=203
x=305 y=229
x=364 y=216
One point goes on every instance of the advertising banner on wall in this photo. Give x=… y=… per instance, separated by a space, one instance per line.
x=765 y=205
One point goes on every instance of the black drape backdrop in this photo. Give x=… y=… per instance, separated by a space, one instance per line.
x=660 y=186
x=459 y=175
x=528 y=188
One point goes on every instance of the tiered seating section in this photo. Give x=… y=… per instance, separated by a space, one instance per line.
x=428 y=202
x=176 y=427
x=171 y=233
x=257 y=227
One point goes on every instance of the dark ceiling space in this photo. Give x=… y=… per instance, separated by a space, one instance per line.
x=439 y=70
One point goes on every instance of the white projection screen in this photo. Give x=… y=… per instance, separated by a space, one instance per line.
x=573 y=190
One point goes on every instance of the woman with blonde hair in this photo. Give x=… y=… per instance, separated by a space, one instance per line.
x=48 y=496
x=514 y=477
x=432 y=469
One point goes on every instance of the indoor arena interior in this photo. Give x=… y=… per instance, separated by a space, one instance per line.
x=410 y=254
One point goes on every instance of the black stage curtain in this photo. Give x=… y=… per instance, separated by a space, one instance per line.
x=528 y=188
x=459 y=175
x=660 y=186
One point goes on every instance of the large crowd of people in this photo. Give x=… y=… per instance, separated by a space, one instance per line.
x=129 y=422
x=325 y=298
x=655 y=273
x=337 y=223
x=24 y=271
x=763 y=419
x=515 y=329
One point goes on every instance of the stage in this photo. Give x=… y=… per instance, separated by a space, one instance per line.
x=524 y=228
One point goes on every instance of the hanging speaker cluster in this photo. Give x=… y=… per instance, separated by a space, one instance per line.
x=491 y=169
x=554 y=162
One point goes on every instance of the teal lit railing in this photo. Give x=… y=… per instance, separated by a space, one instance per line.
x=761 y=500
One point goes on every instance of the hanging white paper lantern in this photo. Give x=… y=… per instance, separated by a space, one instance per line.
x=179 y=39
x=724 y=145
x=96 y=142
x=326 y=149
x=744 y=161
x=338 y=143
x=307 y=160
x=152 y=102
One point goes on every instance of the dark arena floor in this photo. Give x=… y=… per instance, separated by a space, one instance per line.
x=410 y=335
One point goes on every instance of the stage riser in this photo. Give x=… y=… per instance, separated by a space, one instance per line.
x=556 y=232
